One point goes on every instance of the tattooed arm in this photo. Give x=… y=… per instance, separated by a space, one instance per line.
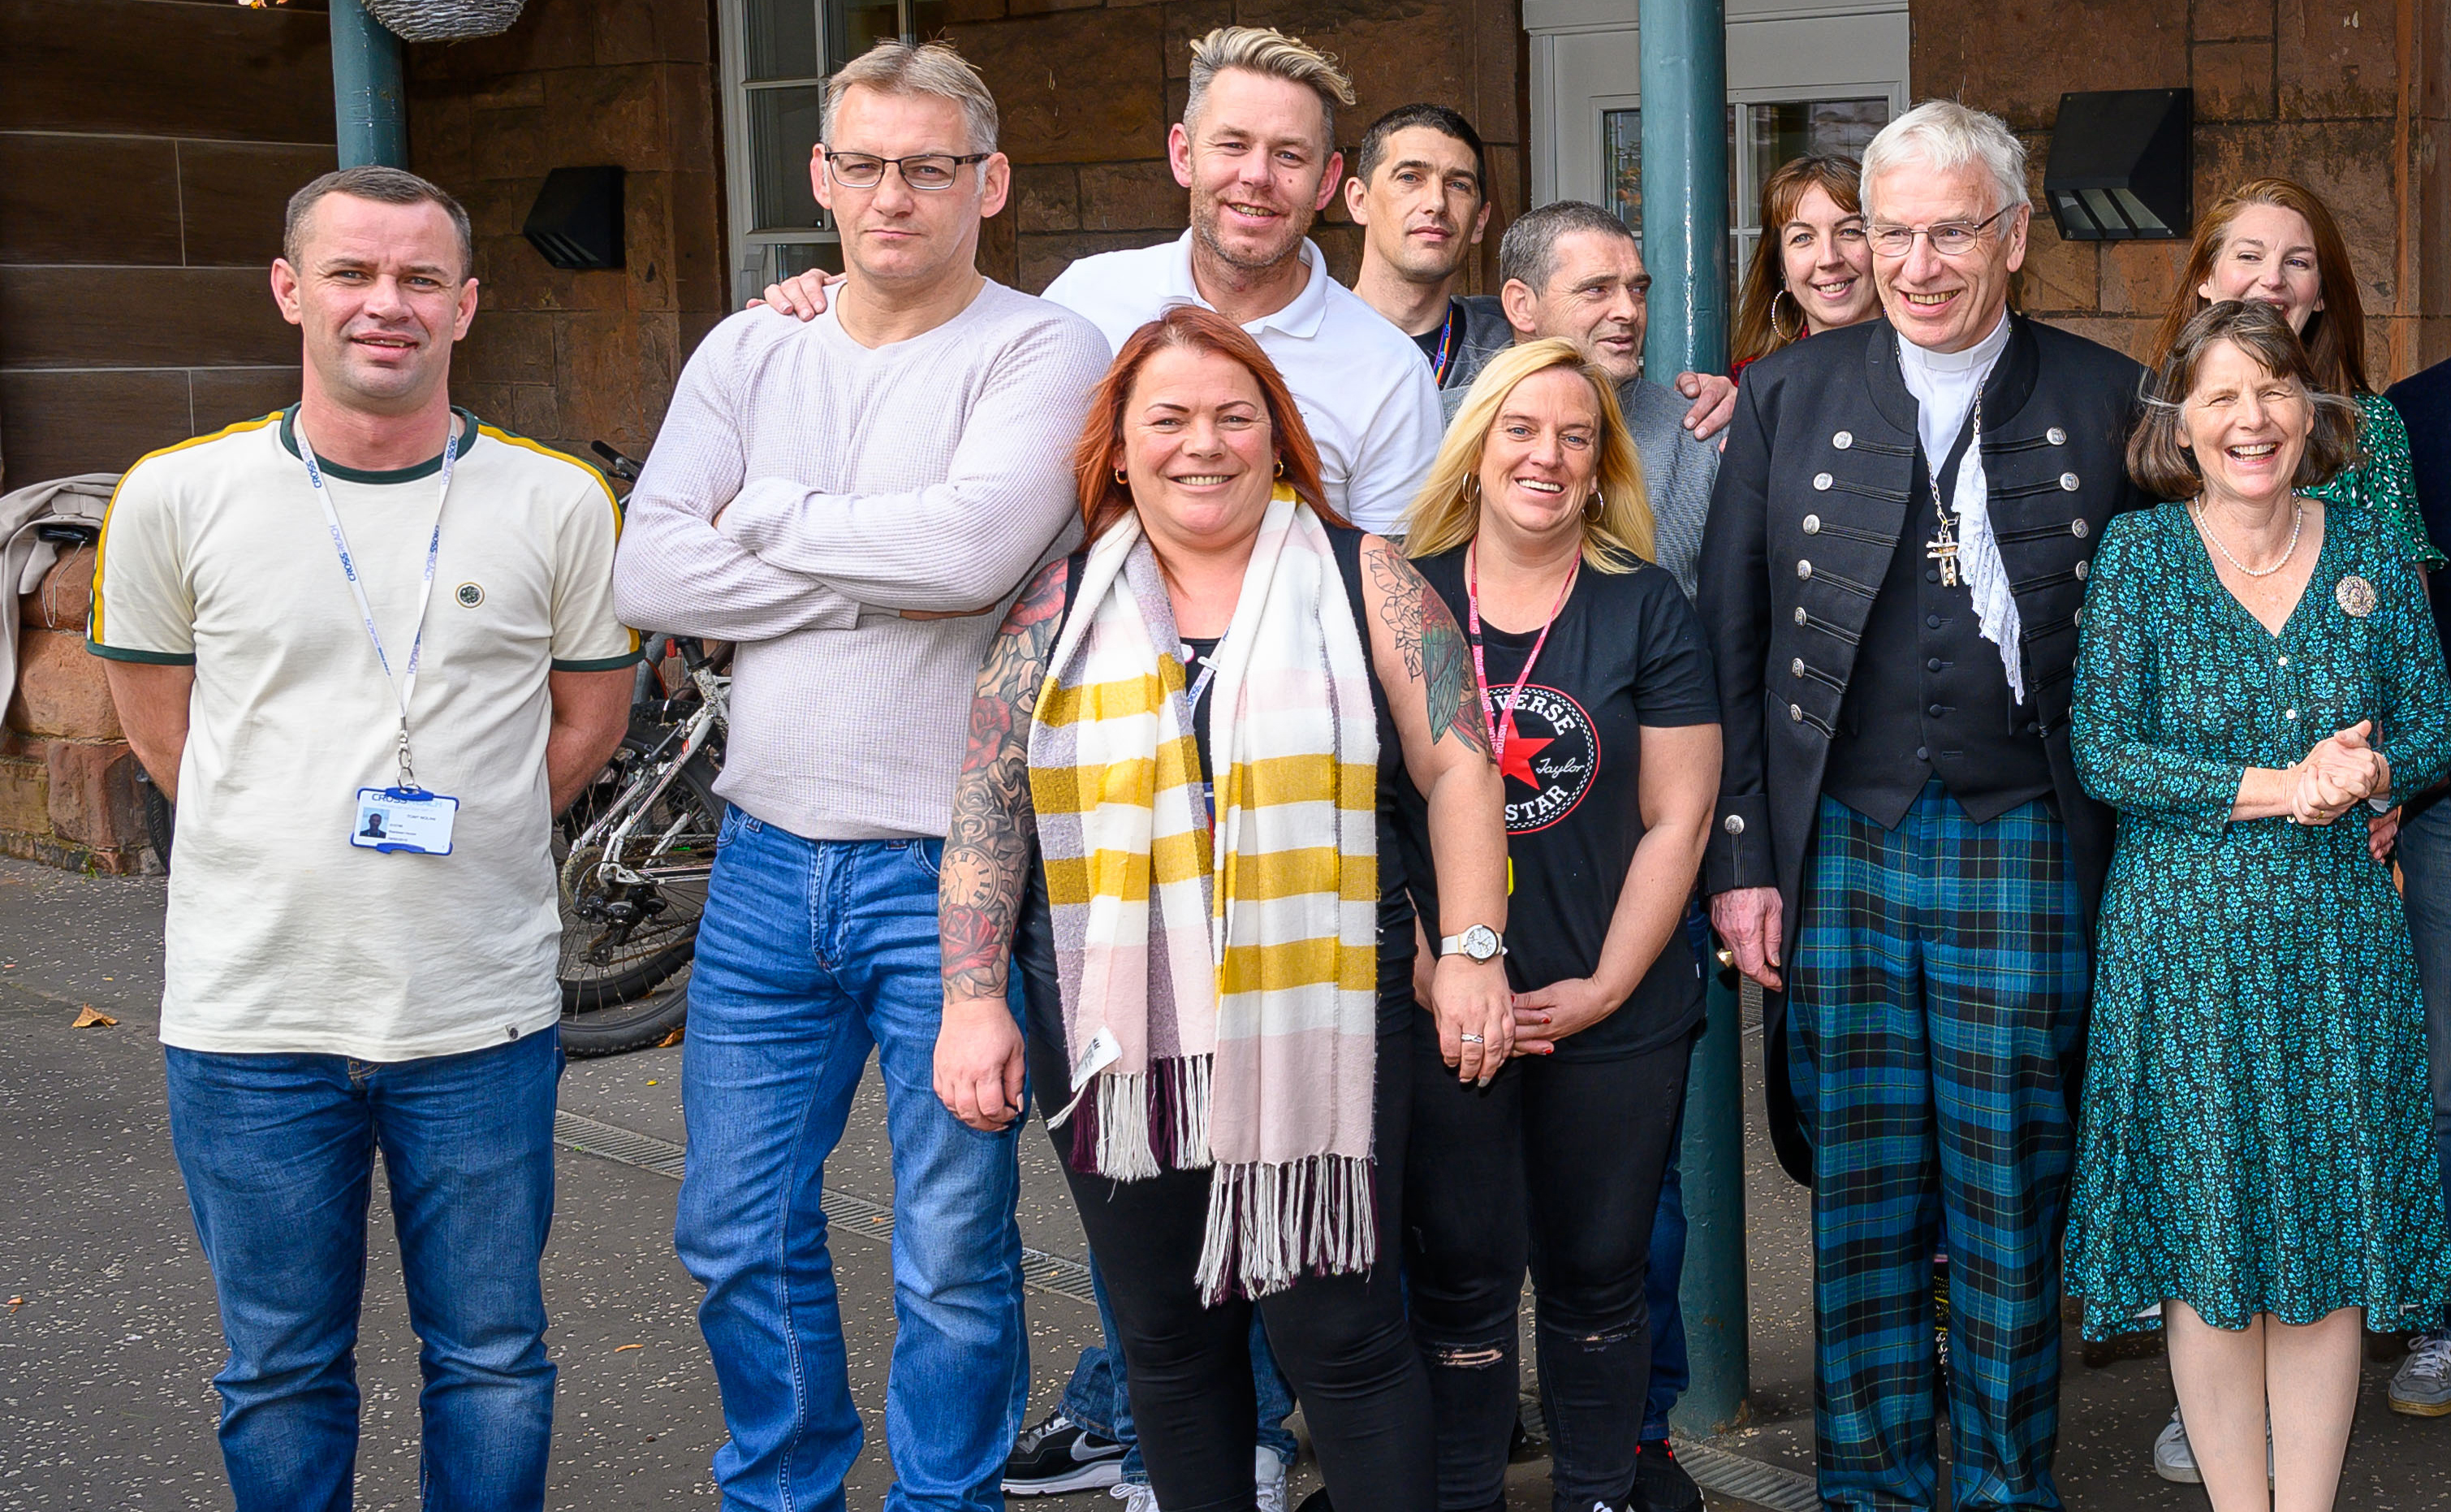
x=986 y=867
x=1422 y=664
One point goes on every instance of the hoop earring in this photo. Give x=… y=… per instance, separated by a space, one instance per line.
x=1123 y=478
x=1281 y=467
x=1781 y=293
x=1594 y=507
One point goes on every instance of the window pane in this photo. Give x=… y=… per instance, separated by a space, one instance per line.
x=859 y=25
x=780 y=38
x=1621 y=161
x=782 y=129
x=791 y=258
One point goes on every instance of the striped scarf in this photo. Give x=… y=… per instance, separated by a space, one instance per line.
x=1234 y=1023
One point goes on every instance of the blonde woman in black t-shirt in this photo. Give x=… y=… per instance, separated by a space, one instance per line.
x=1535 y=526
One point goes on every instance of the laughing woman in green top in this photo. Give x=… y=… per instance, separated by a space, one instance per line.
x=2274 y=241
x=2255 y=1169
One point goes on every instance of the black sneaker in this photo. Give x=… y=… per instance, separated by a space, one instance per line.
x=1316 y=1501
x=1660 y=1484
x=1059 y=1455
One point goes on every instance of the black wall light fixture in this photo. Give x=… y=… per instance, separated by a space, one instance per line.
x=576 y=220
x=2121 y=166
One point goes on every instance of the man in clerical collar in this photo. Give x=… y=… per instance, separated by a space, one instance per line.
x=1892 y=583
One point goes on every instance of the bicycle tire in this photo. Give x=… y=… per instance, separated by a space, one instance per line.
x=160 y=817
x=618 y=1004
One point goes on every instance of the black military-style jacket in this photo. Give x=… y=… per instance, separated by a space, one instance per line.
x=1815 y=491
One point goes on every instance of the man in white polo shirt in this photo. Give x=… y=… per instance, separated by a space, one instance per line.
x=1256 y=148
x=368 y=643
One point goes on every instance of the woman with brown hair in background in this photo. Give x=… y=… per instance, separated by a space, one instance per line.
x=1814 y=268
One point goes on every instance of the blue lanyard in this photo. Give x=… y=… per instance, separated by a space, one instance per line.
x=406 y=687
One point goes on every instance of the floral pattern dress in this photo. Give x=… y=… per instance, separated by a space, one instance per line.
x=2382 y=482
x=2257 y=1135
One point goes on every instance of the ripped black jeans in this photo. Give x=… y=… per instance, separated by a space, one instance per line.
x=1556 y=1164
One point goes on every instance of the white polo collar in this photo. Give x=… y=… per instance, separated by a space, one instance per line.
x=1302 y=319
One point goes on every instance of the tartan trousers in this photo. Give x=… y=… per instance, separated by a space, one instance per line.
x=1938 y=988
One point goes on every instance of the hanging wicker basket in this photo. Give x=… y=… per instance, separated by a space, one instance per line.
x=445 y=20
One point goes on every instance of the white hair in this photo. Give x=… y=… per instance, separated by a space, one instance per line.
x=1945 y=136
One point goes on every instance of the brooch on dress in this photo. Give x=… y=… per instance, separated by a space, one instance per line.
x=2356 y=595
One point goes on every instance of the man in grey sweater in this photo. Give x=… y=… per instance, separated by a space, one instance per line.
x=1574 y=270
x=851 y=500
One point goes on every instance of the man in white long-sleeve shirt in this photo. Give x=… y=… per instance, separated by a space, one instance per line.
x=1256 y=148
x=849 y=499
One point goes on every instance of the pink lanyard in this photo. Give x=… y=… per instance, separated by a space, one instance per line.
x=1504 y=726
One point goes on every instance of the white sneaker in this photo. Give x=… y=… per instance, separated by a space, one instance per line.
x=2173 y=1459
x=1134 y=1498
x=1267 y=1479
x=2422 y=1386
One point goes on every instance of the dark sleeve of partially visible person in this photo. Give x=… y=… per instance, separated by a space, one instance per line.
x=1734 y=599
x=2424 y=405
x=1672 y=681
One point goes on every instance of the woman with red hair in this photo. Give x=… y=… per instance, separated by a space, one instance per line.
x=1201 y=722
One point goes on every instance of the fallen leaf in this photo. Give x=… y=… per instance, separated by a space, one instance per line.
x=655 y=1081
x=91 y=1018
x=618 y=1348
x=671 y=1039
x=14 y=1303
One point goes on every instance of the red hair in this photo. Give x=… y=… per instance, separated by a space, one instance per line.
x=1103 y=501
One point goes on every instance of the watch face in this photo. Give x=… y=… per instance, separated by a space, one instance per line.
x=1481 y=943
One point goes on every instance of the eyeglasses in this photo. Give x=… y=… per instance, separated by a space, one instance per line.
x=928 y=171
x=1951 y=238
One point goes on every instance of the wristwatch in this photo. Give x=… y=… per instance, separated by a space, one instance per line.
x=1479 y=945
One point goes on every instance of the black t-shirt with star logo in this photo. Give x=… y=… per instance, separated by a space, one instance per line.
x=1626 y=651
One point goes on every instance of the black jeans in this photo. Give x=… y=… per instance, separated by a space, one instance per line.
x=1556 y=1163
x=1341 y=1341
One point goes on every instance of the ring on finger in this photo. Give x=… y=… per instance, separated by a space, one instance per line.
x=1471 y=1039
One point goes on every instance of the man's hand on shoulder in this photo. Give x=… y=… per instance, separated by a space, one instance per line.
x=801 y=295
x=1714 y=402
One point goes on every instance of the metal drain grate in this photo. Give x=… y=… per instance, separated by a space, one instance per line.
x=1749 y=1480
x=1765 y=1486
x=844 y=1211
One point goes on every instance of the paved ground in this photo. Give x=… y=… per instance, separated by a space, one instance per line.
x=105 y=1365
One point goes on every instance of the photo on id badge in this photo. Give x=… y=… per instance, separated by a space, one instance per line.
x=411 y=820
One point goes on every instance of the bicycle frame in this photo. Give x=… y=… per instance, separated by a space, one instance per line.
x=614 y=828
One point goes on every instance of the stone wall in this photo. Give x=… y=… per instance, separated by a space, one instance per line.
x=568 y=357
x=67 y=781
x=1088 y=90
x=2349 y=97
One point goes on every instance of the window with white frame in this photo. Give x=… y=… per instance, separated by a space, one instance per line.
x=775 y=55
x=1803 y=77
x=1761 y=137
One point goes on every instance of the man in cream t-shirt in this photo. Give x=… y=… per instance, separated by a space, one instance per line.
x=367 y=621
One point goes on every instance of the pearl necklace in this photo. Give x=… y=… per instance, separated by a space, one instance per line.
x=2299 y=525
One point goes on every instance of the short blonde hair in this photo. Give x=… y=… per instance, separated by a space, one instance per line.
x=1265 y=49
x=929 y=68
x=1446 y=512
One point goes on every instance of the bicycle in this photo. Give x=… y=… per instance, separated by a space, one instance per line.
x=635 y=854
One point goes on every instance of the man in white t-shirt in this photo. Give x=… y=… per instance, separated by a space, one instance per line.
x=1256 y=148
x=367 y=642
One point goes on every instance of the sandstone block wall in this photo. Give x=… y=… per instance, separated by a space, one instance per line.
x=2349 y=97
x=69 y=794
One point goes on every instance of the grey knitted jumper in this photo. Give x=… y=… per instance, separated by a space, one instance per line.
x=929 y=475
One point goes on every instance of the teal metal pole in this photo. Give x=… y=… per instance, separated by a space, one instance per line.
x=1685 y=246
x=369 y=104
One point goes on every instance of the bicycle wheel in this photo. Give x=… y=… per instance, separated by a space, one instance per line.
x=620 y=941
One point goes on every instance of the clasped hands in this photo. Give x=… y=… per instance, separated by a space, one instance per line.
x=2342 y=770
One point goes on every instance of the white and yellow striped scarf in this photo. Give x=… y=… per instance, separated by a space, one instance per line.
x=1234 y=1024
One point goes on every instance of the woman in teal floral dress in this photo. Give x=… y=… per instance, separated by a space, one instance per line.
x=2255 y=1168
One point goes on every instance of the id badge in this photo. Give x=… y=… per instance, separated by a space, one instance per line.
x=392 y=818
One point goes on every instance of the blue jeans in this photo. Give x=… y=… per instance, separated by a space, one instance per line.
x=1099 y=1398
x=278 y=1154
x=810 y=954
x=2426 y=876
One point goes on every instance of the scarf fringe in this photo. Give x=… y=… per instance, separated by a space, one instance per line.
x=1270 y=1223
x=1135 y=1124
